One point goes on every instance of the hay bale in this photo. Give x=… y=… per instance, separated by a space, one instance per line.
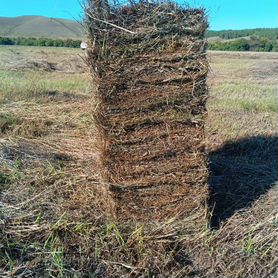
x=149 y=64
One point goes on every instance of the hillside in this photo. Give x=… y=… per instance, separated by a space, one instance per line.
x=270 y=33
x=39 y=26
x=259 y=39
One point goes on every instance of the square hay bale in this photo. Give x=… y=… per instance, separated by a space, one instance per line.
x=149 y=66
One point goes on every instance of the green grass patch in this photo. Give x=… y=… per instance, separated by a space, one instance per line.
x=25 y=85
x=7 y=121
x=247 y=105
x=224 y=64
x=259 y=106
x=245 y=90
x=4 y=179
x=245 y=96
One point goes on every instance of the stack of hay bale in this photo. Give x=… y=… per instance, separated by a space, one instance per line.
x=149 y=65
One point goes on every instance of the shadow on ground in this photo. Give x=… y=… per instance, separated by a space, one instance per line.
x=240 y=172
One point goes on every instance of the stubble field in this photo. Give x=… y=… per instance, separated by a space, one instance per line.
x=48 y=207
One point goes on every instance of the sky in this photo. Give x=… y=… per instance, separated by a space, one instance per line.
x=223 y=14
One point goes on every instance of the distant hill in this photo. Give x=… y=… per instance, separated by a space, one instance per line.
x=39 y=26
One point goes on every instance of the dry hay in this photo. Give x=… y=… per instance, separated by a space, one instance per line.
x=149 y=63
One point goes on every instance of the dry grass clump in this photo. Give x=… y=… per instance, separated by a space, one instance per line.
x=11 y=125
x=252 y=234
x=7 y=121
x=149 y=64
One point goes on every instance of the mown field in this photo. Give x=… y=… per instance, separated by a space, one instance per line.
x=50 y=221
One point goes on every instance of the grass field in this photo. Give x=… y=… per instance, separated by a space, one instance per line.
x=50 y=223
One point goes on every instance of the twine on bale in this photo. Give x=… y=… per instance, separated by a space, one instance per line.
x=149 y=66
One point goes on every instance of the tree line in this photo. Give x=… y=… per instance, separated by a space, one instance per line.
x=40 y=42
x=270 y=33
x=252 y=44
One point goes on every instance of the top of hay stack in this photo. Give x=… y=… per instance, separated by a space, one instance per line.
x=140 y=22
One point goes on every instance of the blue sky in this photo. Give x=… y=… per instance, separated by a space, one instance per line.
x=223 y=14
